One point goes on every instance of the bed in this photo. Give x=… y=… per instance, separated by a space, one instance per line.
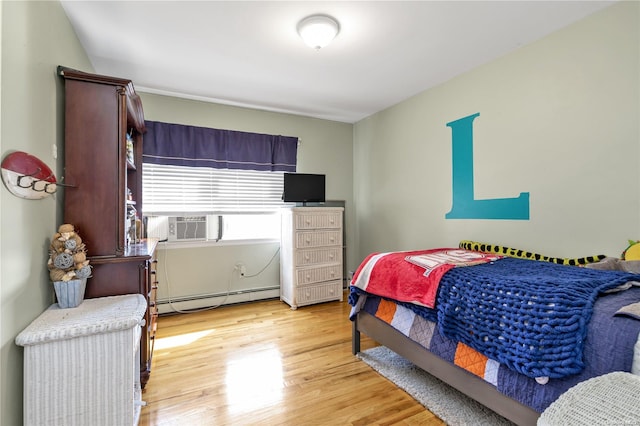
x=513 y=334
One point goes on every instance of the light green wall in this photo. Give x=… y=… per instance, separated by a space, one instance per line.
x=558 y=119
x=36 y=37
x=199 y=273
x=326 y=147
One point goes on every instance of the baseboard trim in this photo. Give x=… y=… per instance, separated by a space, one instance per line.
x=200 y=301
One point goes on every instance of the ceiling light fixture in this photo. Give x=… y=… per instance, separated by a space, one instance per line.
x=318 y=30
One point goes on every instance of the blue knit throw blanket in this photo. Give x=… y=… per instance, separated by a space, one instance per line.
x=531 y=316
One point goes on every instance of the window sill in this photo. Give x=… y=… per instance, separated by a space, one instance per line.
x=166 y=245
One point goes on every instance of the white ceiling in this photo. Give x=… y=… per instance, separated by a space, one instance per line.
x=247 y=53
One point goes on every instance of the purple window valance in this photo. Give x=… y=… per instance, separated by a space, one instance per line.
x=180 y=145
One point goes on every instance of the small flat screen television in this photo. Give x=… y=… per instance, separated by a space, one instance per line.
x=303 y=188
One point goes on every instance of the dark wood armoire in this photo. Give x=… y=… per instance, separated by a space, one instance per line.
x=104 y=127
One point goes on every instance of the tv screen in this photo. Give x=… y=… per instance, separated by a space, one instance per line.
x=303 y=188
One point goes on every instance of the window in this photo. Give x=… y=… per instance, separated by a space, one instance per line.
x=200 y=183
x=237 y=204
x=253 y=227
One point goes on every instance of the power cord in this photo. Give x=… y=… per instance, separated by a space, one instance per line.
x=189 y=311
x=266 y=266
x=226 y=297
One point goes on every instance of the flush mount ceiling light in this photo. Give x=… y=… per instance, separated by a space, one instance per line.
x=318 y=30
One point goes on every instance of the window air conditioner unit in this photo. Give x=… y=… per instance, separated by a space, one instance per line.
x=187 y=228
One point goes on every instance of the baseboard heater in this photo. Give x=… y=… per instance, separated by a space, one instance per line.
x=200 y=300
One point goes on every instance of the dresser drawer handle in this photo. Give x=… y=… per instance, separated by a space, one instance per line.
x=306 y=257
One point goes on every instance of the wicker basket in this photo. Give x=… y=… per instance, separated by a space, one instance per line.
x=70 y=294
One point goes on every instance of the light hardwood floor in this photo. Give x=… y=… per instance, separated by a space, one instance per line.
x=263 y=363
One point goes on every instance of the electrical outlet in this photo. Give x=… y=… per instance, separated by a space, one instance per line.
x=242 y=270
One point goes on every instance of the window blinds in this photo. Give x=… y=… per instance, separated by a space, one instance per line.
x=176 y=190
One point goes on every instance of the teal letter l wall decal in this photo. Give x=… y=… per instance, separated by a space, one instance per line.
x=465 y=206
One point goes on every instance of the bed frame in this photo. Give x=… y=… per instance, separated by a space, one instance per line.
x=465 y=382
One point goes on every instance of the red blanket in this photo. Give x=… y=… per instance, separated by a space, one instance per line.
x=413 y=276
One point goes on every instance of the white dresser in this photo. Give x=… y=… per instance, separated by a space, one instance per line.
x=311 y=255
x=82 y=365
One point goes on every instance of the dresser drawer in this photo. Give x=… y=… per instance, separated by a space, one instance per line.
x=318 y=256
x=319 y=293
x=307 y=239
x=314 y=220
x=318 y=274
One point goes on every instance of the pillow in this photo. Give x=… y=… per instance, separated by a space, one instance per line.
x=615 y=264
x=632 y=310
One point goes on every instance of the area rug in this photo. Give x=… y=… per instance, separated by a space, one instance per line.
x=450 y=405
